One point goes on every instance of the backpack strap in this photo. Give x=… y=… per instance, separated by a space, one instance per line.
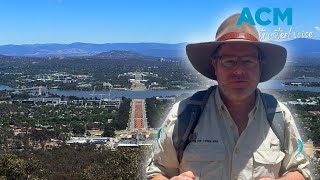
x=183 y=132
x=275 y=116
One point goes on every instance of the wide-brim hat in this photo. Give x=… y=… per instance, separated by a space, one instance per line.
x=273 y=56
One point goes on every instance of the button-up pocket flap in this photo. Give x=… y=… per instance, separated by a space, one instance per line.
x=203 y=152
x=268 y=156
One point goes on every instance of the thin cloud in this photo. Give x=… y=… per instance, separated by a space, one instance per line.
x=317 y=28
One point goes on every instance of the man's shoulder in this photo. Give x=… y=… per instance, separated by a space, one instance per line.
x=180 y=106
x=286 y=112
x=281 y=107
x=175 y=111
x=197 y=98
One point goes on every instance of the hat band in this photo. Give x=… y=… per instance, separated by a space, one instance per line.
x=237 y=35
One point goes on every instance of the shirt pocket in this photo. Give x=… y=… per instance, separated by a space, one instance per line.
x=267 y=163
x=205 y=160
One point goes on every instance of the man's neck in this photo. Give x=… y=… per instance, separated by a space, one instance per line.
x=239 y=109
x=239 y=104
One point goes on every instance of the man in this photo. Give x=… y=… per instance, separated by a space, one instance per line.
x=234 y=137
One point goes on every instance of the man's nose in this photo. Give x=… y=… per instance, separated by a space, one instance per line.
x=239 y=68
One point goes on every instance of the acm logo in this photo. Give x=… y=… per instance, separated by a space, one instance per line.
x=246 y=16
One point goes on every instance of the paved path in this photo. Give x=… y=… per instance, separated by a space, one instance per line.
x=138 y=115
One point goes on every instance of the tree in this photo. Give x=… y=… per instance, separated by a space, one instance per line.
x=13 y=167
x=108 y=131
x=123 y=116
x=78 y=128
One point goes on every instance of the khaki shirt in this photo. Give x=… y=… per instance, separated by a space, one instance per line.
x=220 y=153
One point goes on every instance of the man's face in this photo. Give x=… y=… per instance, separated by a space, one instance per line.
x=237 y=69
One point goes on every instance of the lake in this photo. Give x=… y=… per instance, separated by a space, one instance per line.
x=4 y=87
x=272 y=84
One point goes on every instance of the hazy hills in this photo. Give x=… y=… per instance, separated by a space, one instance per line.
x=88 y=49
x=296 y=47
x=120 y=54
x=303 y=47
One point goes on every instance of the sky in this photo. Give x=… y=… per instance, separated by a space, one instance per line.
x=132 y=21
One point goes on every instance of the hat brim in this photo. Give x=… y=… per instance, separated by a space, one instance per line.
x=273 y=59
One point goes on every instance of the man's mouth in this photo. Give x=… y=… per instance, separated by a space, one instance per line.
x=239 y=81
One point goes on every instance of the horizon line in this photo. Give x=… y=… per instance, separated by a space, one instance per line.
x=57 y=43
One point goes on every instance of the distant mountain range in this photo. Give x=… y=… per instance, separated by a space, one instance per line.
x=302 y=47
x=88 y=49
x=296 y=47
x=120 y=54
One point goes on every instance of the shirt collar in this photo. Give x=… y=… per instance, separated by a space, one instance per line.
x=219 y=103
x=222 y=107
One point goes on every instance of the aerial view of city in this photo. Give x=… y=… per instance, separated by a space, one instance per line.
x=75 y=107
